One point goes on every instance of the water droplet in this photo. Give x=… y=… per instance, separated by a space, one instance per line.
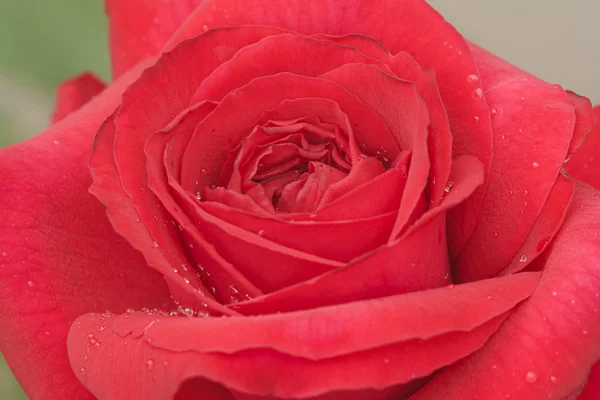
x=149 y=364
x=536 y=164
x=523 y=258
x=102 y=328
x=234 y=289
x=261 y=232
x=531 y=377
x=494 y=112
x=154 y=244
x=165 y=363
x=554 y=293
x=4 y=254
x=82 y=370
x=450 y=286
x=478 y=93
x=130 y=311
x=386 y=360
x=205 y=27
x=584 y=332
x=553 y=379
x=184 y=267
x=198 y=196
x=30 y=284
x=186 y=280
x=472 y=78
x=489 y=297
x=496 y=234
x=449 y=187
x=175 y=270
x=572 y=301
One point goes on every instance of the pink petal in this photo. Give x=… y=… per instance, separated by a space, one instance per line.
x=400 y=25
x=585 y=164
x=546 y=348
x=294 y=355
x=139 y=28
x=533 y=127
x=74 y=93
x=59 y=255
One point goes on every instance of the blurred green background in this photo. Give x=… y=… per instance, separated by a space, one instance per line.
x=43 y=42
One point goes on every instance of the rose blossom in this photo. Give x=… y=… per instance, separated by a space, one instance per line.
x=303 y=200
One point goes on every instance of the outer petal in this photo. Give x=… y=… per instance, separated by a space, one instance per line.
x=139 y=28
x=556 y=332
x=294 y=355
x=74 y=93
x=59 y=256
x=533 y=128
x=585 y=164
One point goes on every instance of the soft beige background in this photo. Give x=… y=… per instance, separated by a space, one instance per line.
x=558 y=40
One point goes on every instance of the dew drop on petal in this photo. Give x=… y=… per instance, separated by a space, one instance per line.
x=523 y=258
x=149 y=364
x=553 y=379
x=82 y=370
x=536 y=164
x=531 y=377
x=472 y=78
x=478 y=93
x=554 y=293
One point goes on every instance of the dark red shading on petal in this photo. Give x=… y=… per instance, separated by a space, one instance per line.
x=545 y=227
x=592 y=387
x=202 y=389
x=585 y=164
x=400 y=25
x=336 y=347
x=403 y=109
x=74 y=93
x=533 y=126
x=59 y=255
x=584 y=121
x=139 y=28
x=556 y=331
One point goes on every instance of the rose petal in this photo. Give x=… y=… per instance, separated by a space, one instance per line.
x=592 y=386
x=139 y=28
x=335 y=240
x=275 y=54
x=74 y=93
x=59 y=256
x=585 y=164
x=405 y=67
x=410 y=26
x=323 y=360
x=221 y=275
x=400 y=105
x=123 y=187
x=557 y=331
x=415 y=263
x=584 y=121
x=217 y=135
x=545 y=227
x=533 y=127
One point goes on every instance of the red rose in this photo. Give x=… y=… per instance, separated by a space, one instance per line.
x=309 y=200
